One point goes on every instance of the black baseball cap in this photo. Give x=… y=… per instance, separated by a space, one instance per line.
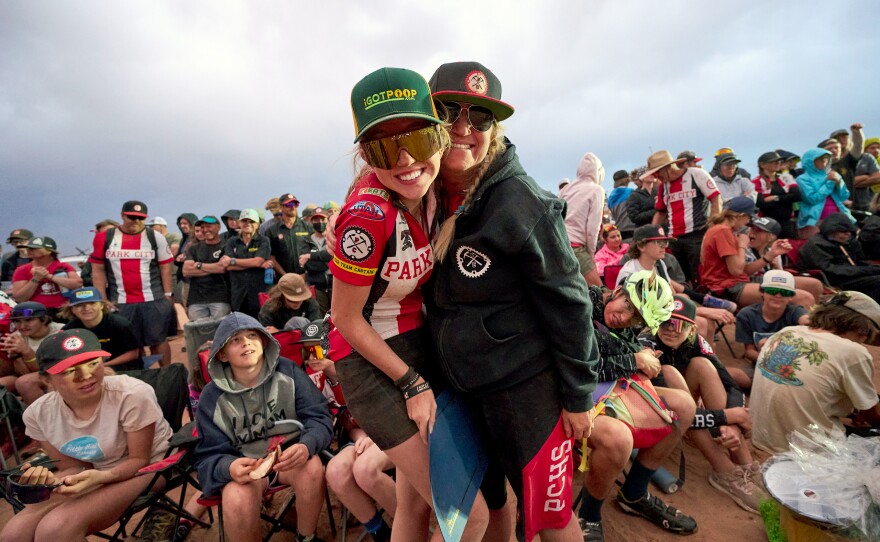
x=135 y=208
x=29 y=309
x=20 y=233
x=767 y=224
x=42 y=242
x=684 y=309
x=470 y=82
x=771 y=156
x=63 y=350
x=650 y=232
x=690 y=156
x=621 y=174
x=287 y=198
x=728 y=159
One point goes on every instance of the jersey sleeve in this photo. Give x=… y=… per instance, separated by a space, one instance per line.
x=98 y=242
x=361 y=236
x=704 y=182
x=163 y=251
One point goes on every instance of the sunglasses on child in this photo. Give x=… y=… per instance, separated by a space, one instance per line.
x=29 y=493
x=479 y=117
x=778 y=291
x=421 y=144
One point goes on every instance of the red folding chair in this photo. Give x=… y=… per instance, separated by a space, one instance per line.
x=611 y=274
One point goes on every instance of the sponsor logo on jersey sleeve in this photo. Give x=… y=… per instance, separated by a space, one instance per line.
x=351 y=268
x=374 y=192
x=366 y=210
x=356 y=244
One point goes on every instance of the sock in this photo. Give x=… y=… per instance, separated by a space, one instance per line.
x=591 y=508
x=375 y=523
x=304 y=538
x=636 y=485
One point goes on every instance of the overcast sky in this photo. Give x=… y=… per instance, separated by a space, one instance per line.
x=202 y=106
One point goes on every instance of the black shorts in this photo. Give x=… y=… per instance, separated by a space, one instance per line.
x=151 y=321
x=375 y=402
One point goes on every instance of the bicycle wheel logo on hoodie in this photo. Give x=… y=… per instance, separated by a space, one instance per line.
x=472 y=263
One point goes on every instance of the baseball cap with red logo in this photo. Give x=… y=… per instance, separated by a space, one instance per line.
x=61 y=351
x=684 y=309
x=650 y=232
x=135 y=208
x=470 y=82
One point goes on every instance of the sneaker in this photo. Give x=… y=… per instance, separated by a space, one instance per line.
x=738 y=485
x=756 y=473
x=659 y=513
x=182 y=531
x=718 y=303
x=157 y=528
x=592 y=530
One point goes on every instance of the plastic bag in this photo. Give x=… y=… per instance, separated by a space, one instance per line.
x=830 y=479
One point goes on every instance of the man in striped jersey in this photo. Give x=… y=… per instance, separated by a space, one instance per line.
x=687 y=196
x=131 y=268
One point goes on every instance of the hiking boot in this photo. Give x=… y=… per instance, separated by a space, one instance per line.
x=158 y=527
x=738 y=485
x=718 y=303
x=592 y=530
x=659 y=513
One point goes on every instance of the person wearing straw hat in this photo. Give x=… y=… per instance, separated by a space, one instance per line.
x=685 y=197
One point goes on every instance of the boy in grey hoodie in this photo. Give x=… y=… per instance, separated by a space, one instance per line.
x=255 y=400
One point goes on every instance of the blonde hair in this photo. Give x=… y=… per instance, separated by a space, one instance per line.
x=725 y=216
x=447 y=229
x=66 y=311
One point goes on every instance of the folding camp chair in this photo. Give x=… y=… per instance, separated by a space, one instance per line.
x=611 y=274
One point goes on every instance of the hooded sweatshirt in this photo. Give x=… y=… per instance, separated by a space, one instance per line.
x=234 y=421
x=586 y=200
x=816 y=189
x=185 y=241
x=820 y=252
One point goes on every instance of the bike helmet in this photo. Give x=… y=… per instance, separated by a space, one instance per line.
x=651 y=295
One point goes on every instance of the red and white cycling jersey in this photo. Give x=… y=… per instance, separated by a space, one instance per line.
x=380 y=244
x=132 y=265
x=686 y=201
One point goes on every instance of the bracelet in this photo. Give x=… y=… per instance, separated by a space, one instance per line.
x=413 y=391
x=35 y=281
x=169 y=294
x=232 y=261
x=32 y=360
x=407 y=380
x=766 y=260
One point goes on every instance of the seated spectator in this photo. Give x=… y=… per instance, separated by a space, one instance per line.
x=644 y=299
x=613 y=248
x=250 y=381
x=729 y=182
x=640 y=208
x=822 y=373
x=18 y=238
x=823 y=192
x=764 y=246
x=290 y=297
x=718 y=426
x=246 y=257
x=724 y=269
x=100 y=431
x=44 y=278
x=32 y=326
x=88 y=310
x=756 y=323
x=839 y=255
x=648 y=252
x=777 y=193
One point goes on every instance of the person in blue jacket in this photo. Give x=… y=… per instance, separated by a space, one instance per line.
x=255 y=401
x=823 y=192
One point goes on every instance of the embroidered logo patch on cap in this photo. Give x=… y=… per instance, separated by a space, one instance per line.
x=312 y=329
x=136 y=208
x=660 y=231
x=37 y=241
x=678 y=305
x=476 y=82
x=72 y=344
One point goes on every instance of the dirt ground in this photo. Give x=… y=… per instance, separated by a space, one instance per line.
x=718 y=517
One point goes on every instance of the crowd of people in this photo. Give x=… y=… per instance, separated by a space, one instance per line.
x=448 y=270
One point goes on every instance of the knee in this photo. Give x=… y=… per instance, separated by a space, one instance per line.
x=240 y=500
x=614 y=439
x=57 y=525
x=681 y=403
x=339 y=471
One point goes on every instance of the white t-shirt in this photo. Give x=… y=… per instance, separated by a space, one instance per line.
x=806 y=376
x=633 y=266
x=54 y=327
x=127 y=405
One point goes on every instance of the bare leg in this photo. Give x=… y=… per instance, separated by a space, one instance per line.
x=369 y=472
x=241 y=505
x=341 y=479
x=811 y=285
x=31 y=387
x=682 y=404
x=611 y=445
x=804 y=298
x=162 y=349
x=751 y=294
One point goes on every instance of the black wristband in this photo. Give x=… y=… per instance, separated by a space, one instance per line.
x=407 y=380
x=769 y=262
x=412 y=391
x=707 y=419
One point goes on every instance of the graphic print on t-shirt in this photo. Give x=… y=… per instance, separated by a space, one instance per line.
x=83 y=448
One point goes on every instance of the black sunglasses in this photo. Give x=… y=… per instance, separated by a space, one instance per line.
x=29 y=493
x=479 y=117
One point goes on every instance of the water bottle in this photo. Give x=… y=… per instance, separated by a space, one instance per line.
x=269 y=276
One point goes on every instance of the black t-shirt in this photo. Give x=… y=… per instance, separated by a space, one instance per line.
x=115 y=335
x=309 y=309
x=247 y=282
x=750 y=321
x=212 y=288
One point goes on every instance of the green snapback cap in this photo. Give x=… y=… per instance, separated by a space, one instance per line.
x=390 y=93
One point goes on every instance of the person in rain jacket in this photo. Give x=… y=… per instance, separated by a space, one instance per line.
x=586 y=200
x=823 y=192
x=255 y=401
